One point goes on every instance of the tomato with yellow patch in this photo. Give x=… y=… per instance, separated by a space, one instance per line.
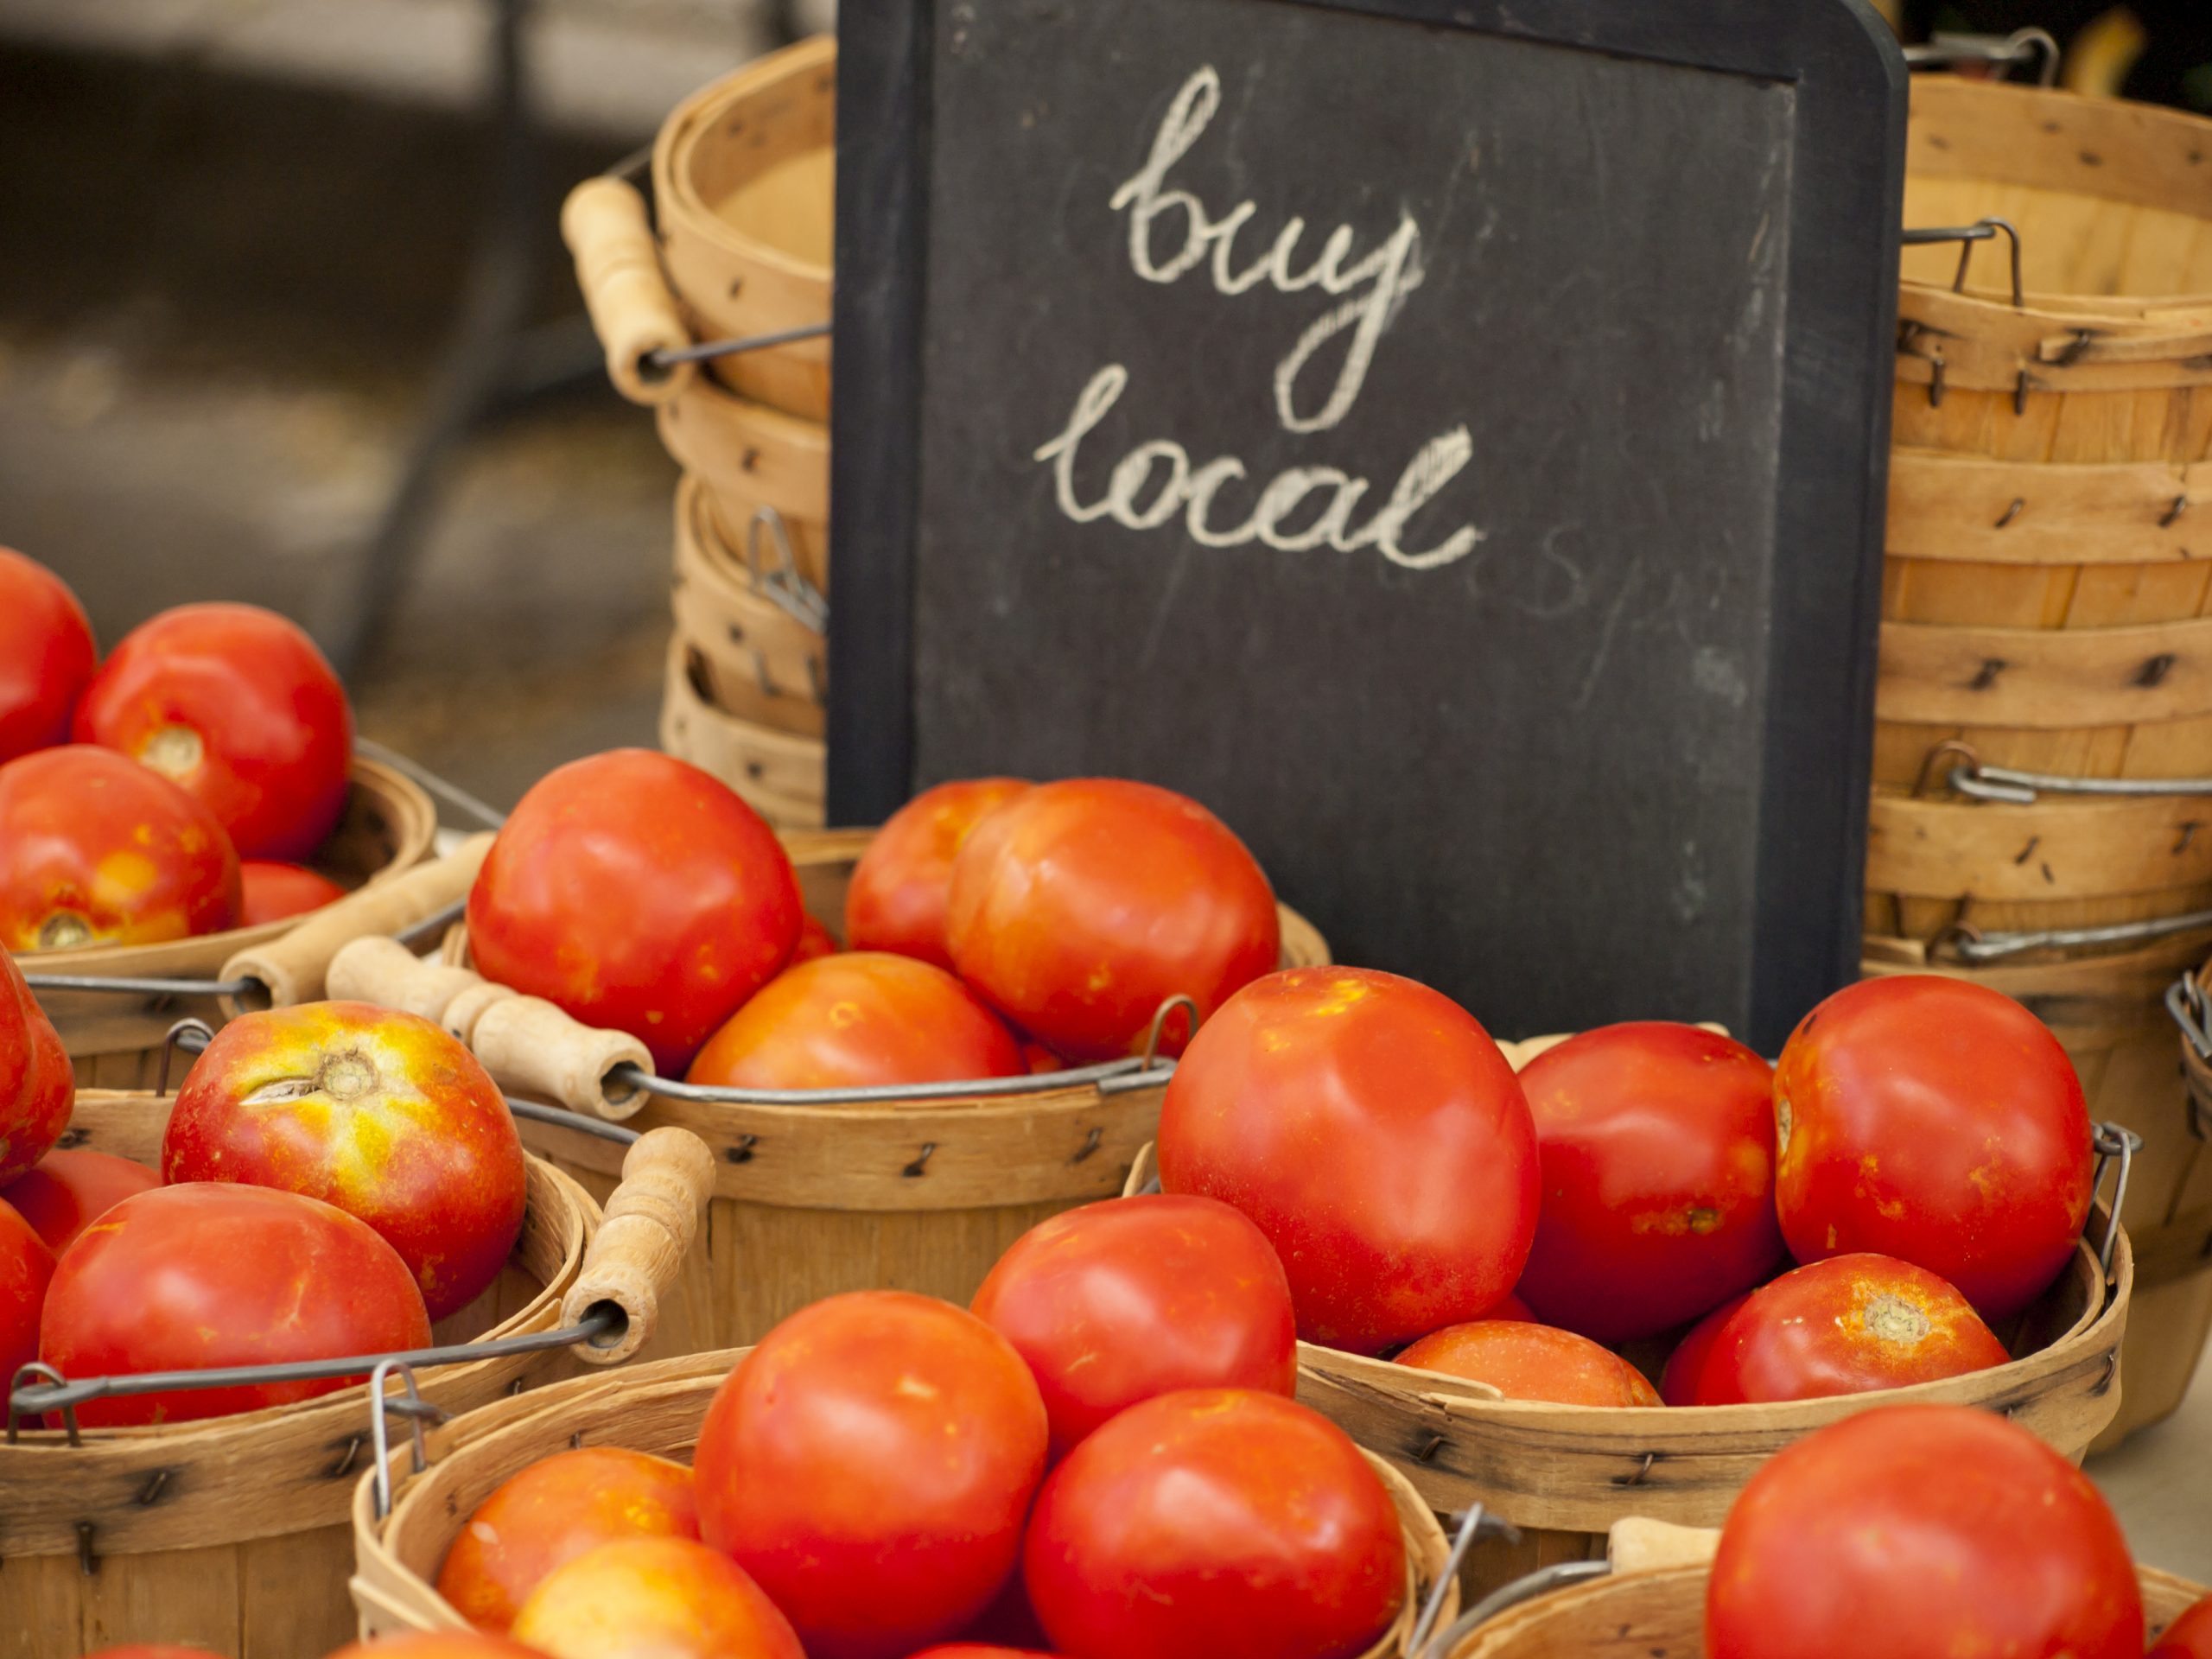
x=273 y=891
x=207 y=1276
x=37 y=1085
x=383 y=1113
x=1078 y=908
x=25 y=1270
x=67 y=1191
x=96 y=850
x=870 y=1463
x=47 y=655
x=1938 y=1122
x=428 y=1644
x=639 y=893
x=902 y=887
x=653 y=1598
x=1374 y=1133
x=1532 y=1361
x=855 y=1020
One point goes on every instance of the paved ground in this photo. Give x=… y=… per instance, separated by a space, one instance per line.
x=2161 y=1484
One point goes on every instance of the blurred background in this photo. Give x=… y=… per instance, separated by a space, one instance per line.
x=264 y=262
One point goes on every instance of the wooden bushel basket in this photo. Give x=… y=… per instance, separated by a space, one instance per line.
x=115 y=1040
x=230 y=1533
x=778 y=773
x=656 y=1408
x=744 y=653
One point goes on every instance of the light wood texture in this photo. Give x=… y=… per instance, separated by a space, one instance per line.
x=232 y=1533
x=115 y=1040
x=2060 y=847
x=384 y=971
x=728 y=513
x=1639 y=1544
x=1975 y=509
x=668 y=1176
x=780 y=774
x=745 y=655
x=2049 y=678
x=618 y=268
x=747 y=452
x=656 y=1408
x=290 y=968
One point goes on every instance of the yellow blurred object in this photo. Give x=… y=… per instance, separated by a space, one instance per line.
x=2102 y=53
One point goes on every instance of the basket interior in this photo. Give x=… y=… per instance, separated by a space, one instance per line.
x=767 y=168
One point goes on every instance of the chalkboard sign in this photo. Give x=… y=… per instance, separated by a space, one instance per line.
x=1448 y=439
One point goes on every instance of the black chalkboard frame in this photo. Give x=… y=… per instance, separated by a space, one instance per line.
x=1850 y=88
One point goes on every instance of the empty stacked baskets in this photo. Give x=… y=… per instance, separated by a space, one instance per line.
x=734 y=250
x=2042 y=815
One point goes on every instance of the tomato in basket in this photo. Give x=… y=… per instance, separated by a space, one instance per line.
x=47 y=656
x=37 y=1085
x=68 y=1190
x=1524 y=1361
x=272 y=892
x=25 y=1270
x=903 y=882
x=653 y=1598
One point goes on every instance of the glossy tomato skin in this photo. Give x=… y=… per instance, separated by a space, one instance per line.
x=639 y=892
x=1921 y=1532
x=857 y=1019
x=1211 y=1521
x=870 y=1463
x=901 y=888
x=1532 y=1361
x=206 y=1276
x=554 y=1511
x=410 y=1644
x=383 y=1113
x=2189 y=1636
x=653 y=1598
x=814 y=943
x=37 y=1085
x=67 y=1191
x=270 y=891
x=25 y=1270
x=1655 y=1145
x=96 y=850
x=47 y=656
x=1078 y=908
x=1374 y=1132
x=237 y=705
x=1679 y=1382
x=1938 y=1121
x=1120 y=1301
x=1846 y=1326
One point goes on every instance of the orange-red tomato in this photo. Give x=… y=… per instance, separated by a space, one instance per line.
x=408 y=1644
x=902 y=885
x=814 y=941
x=270 y=891
x=47 y=655
x=205 y=1277
x=1656 y=1144
x=1509 y=1307
x=383 y=1113
x=1119 y=1301
x=67 y=1191
x=551 y=1513
x=1532 y=1361
x=1040 y=1059
x=1679 y=1382
x=1921 y=1532
x=1374 y=1133
x=857 y=1019
x=639 y=892
x=1078 y=908
x=653 y=1598
x=25 y=1269
x=1935 y=1121
x=1846 y=1326
x=37 y=1083
x=2189 y=1636
x=870 y=1463
x=237 y=705
x=96 y=850
x=1213 y=1521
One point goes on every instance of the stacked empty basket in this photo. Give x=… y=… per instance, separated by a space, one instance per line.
x=734 y=249
x=2042 y=815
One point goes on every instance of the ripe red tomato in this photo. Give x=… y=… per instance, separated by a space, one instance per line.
x=25 y=1269
x=980 y=1650
x=37 y=1085
x=1532 y=1361
x=902 y=885
x=554 y=1511
x=205 y=1276
x=1938 y=1122
x=96 y=850
x=2189 y=1636
x=270 y=891
x=814 y=943
x=383 y=1113
x=857 y=1019
x=1846 y=1326
x=1211 y=1521
x=1116 y=1302
x=870 y=1462
x=67 y=1191
x=1509 y=1307
x=639 y=892
x=1078 y=908
x=47 y=655
x=237 y=705
x=1376 y=1135
x=1655 y=1145
x=408 y=1644
x=1679 y=1382
x=653 y=1598
x=1921 y=1532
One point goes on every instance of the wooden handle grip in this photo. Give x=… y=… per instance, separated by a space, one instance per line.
x=618 y=267
x=652 y=1219
x=385 y=972
x=1636 y=1545
x=290 y=968
x=535 y=1048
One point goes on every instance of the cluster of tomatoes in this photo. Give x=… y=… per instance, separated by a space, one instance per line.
x=170 y=791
